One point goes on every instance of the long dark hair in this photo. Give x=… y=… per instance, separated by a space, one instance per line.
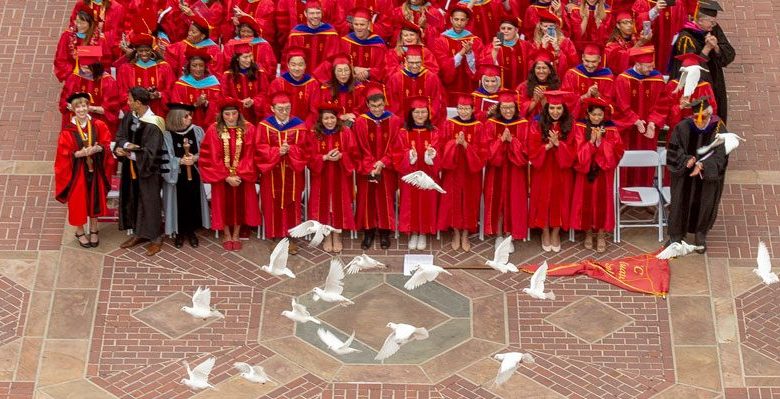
x=205 y=68
x=593 y=172
x=92 y=24
x=409 y=122
x=222 y=125
x=251 y=74
x=546 y=122
x=318 y=127
x=333 y=83
x=97 y=70
x=552 y=83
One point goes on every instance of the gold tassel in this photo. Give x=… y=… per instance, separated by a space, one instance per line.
x=700 y=115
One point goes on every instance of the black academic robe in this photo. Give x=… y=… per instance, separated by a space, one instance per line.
x=692 y=41
x=140 y=204
x=695 y=199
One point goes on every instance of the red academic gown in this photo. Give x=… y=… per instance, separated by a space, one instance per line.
x=578 y=80
x=300 y=91
x=506 y=183
x=382 y=9
x=616 y=55
x=240 y=87
x=282 y=179
x=416 y=207
x=187 y=90
x=289 y=13
x=676 y=114
x=531 y=17
x=155 y=74
x=103 y=93
x=485 y=18
x=262 y=53
x=65 y=55
x=402 y=85
x=593 y=34
x=366 y=53
x=394 y=62
x=230 y=206
x=346 y=101
x=483 y=101
x=593 y=204
x=432 y=27
x=567 y=57
x=526 y=109
x=461 y=174
x=332 y=188
x=176 y=55
x=457 y=79
x=665 y=26
x=112 y=22
x=376 y=201
x=318 y=43
x=85 y=197
x=551 y=179
x=639 y=97
x=261 y=10
x=513 y=60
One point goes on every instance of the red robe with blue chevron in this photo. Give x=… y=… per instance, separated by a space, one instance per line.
x=578 y=80
x=366 y=53
x=318 y=43
x=300 y=91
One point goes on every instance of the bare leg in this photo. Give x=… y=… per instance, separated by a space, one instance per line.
x=337 y=245
x=464 y=241
x=455 y=239
x=555 y=239
x=546 y=239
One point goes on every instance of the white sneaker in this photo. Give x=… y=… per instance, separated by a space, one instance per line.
x=413 y=241
x=421 y=242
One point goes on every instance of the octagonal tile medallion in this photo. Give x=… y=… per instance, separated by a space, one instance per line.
x=589 y=320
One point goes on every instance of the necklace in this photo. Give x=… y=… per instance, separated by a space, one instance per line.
x=225 y=136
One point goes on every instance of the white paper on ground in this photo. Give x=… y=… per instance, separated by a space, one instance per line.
x=415 y=259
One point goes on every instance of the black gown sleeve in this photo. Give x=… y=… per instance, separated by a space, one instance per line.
x=727 y=53
x=676 y=155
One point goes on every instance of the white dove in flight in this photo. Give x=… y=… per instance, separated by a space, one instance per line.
x=313 y=227
x=509 y=363
x=363 y=262
x=536 y=290
x=250 y=373
x=402 y=333
x=299 y=314
x=336 y=345
x=689 y=79
x=677 y=249
x=764 y=269
x=423 y=274
x=500 y=260
x=199 y=376
x=422 y=181
x=334 y=285
x=277 y=264
x=201 y=305
x=730 y=142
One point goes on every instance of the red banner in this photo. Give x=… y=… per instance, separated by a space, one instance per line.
x=642 y=273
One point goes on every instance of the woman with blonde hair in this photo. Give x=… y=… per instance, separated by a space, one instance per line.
x=591 y=23
x=549 y=37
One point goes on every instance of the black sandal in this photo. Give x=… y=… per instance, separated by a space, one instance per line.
x=96 y=243
x=83 y=245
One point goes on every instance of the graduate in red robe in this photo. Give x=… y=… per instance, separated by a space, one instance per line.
x=366 y=49
x=552 y=151
x=381 y=11
x=262 y=52
x=290 y=13
x=624 y=37
x=332 y=162
x=413 y=80
x=416 y=151
x=146 y=68
x=666 y=22
x=395 y=57
x=589 y=79
x=198 y=87
x=456 y=51
x=83 y=32
x=679 y=105
x=510 y=53
x=541 y=78
x=599 y=149
x=319 y=39
x=486 y=17
x=100 y=85
x=282 y=154
x=261 y=12
x=428 y=17
x=296 y=82
x=111 y=18
x=595 y=27
x=463 y=152
x=532 y=16
x=561 y=49
x=340 y=92
x=80 y=176
x=641 y=110
x=213 y=11
x=486 y=95
x=227 y=163
x=243 y=80
x=506 y=183
x=376 y=132
x=197 y=38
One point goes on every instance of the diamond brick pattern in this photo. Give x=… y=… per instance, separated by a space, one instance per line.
x=13 y=309
x=759 y=321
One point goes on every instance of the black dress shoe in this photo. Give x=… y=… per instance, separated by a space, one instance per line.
x=384 y=239
x=701 y=240
x=178 y=241
x=368 y=239
x=194 y=240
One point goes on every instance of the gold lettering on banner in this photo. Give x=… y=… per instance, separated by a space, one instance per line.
x=622 y=271
x=639 y=270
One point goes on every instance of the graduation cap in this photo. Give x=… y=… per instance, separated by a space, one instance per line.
x=362 y=12
x=591 y=49
x=460 y=8
x=78 y=95
x=374 y=88
x=507 y=96
x=487 y=69
x=182 y=106
x=689 y=59
x=141 y=39
x=514 y=21
x=546 y=15
x=242 y=48
x=201 y=53
x=295 y=51
x=280 y=97
x=251 y=23
x=598 y=102
x=340 y=59
x=623 y=15
x=642 y=55
x=707 y=7
x=414 y=50
x=698 y=106
x=329 y=106
x=201 y=22
x=540 y=55
x=411 y=27
x=419 y=102
x=84 y=7
x=555 y=97
x=88 y=55
x=229 y=102
x=465 y=99
x=313 y=4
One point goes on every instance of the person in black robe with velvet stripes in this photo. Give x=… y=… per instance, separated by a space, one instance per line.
x=697 y=176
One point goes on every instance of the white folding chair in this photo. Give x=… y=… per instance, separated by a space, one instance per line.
x=649 y=196
x=666 y=191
